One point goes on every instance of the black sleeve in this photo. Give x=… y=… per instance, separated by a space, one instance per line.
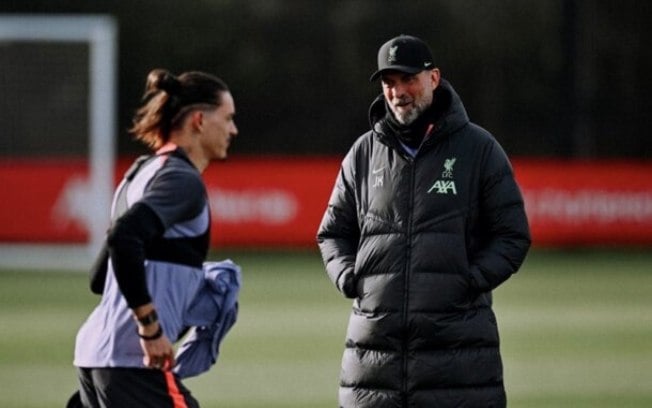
x=505 y=222
x=98 y=270
x=338 y=234
x=126 y=244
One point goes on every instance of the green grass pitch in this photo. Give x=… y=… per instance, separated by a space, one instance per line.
x=576 y=330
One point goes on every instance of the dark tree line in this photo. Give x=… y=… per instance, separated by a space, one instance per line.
x=564 y=78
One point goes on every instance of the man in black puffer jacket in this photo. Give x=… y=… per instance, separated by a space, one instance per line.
x=424 y=221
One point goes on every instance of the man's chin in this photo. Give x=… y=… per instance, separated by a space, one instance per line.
x=406 y=119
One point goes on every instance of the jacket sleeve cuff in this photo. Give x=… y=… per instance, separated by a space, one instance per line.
x=478 y=282
x=346 y=285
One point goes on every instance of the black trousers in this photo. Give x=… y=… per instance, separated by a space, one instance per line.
x=132 y=388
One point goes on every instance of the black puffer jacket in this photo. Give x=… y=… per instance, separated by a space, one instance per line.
x=419 y=243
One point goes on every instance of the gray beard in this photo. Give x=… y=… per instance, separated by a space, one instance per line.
x=408 y=118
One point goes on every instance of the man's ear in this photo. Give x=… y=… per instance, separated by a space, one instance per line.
x=435 y=77
x=197 y=119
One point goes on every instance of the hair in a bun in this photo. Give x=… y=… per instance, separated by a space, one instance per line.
x=167 y=98
x=162 y=80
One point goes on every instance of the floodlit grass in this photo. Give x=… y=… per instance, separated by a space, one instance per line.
x=576 y=331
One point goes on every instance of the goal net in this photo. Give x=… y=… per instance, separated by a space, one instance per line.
x=57 y=150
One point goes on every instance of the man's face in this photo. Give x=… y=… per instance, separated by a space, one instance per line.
x=219 y=128
x=409 y=95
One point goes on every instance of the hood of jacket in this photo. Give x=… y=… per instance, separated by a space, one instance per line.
x=447 y=114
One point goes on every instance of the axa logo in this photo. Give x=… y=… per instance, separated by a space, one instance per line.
x=443 y=187
x=446 y=184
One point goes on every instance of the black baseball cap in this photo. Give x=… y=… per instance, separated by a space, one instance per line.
x=404 y=53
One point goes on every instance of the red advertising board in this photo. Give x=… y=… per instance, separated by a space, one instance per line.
x=587 y=202
x=269 y=201
x=279 y=201
x=41 y=200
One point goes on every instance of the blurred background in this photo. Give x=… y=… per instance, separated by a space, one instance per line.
x=562 y=84
x=558 y=78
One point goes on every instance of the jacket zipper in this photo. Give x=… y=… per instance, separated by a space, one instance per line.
x=406 y=282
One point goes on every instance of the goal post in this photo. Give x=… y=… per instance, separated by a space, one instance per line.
x=99 y=34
